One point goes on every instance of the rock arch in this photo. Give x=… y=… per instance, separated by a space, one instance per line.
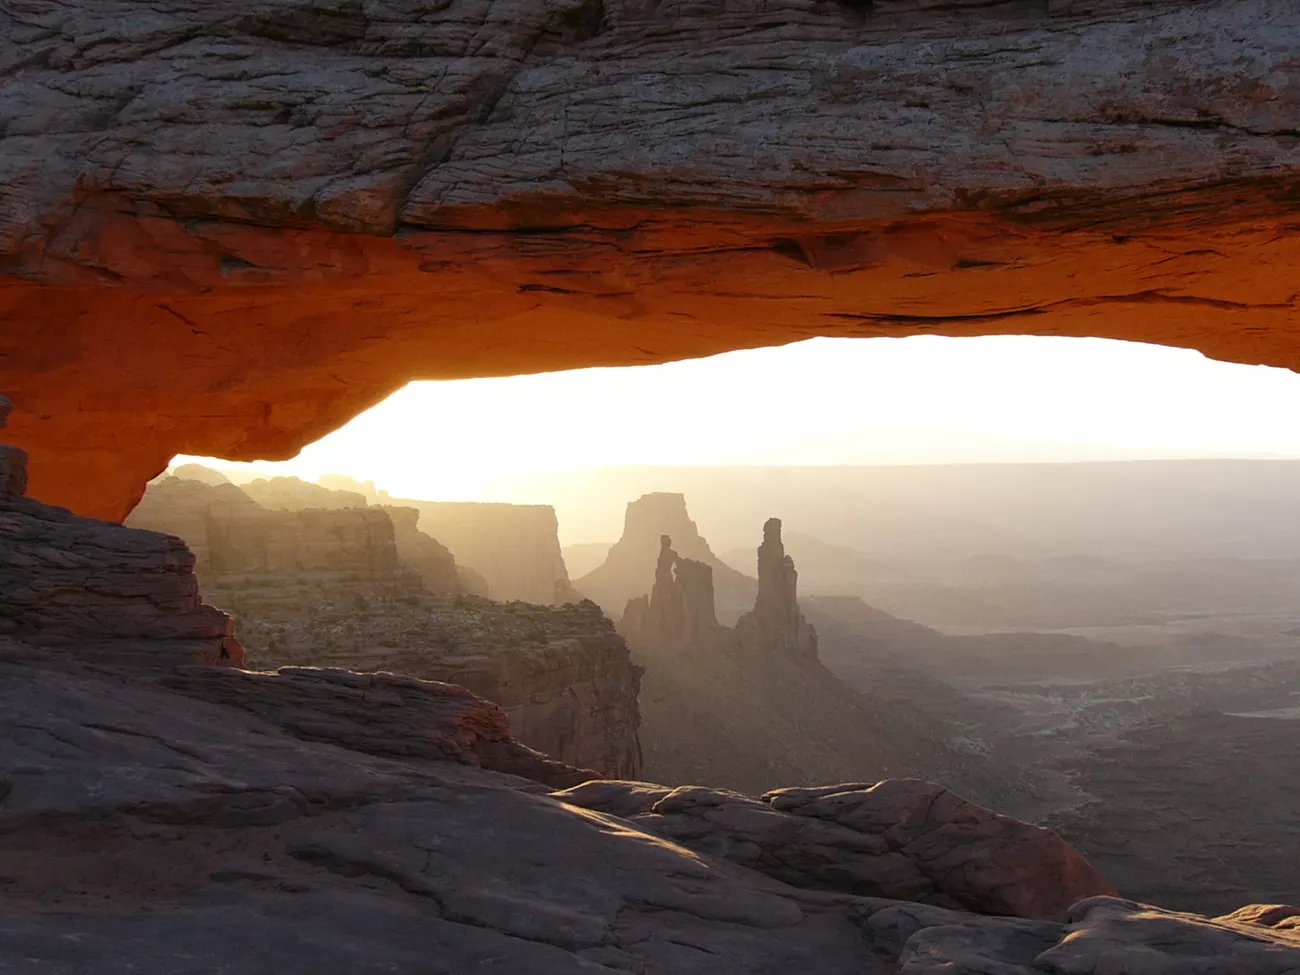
x=227 y=232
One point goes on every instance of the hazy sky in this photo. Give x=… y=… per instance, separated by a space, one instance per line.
x=921 y=399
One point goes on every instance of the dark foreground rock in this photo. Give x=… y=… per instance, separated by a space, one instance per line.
x=159 y=817
x=899 y=838
x=145 y=831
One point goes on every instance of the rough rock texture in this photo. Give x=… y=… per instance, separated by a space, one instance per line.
x=225 y=231
x=13 y=461
x=775 y=625
x=514 y=547
x=380 y=714
x=629 y=570
x=678 y=615
x=103 y=588
x=562 y=675
x=231 y=533
x=900 y=838
x=154 y=832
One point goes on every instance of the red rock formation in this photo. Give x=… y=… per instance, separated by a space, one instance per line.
x=234 y=265
x=118 y=596
x=775 y=626
x=629 y=570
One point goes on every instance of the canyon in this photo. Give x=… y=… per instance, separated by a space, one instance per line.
x=751 y=707
x=319 y=577
x=225 y=229
x=166 y=812
x=225 y=233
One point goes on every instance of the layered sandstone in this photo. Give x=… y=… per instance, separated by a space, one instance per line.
x=562 y=676
x=629 y=569
x=99 y=588
x=423 y=553
x=238 y=259
x=514 y=548
x=232 y=534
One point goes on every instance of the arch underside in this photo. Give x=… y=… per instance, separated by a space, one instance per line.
x=226 y=233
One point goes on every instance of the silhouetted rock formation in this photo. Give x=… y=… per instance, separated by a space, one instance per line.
x=628 y=569
x=514 y=547
x=775 y=626
x=751 y=708
x=678 y=615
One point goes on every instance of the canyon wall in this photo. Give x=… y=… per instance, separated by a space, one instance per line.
x=234 y=535
x=232 y=263
x=515 y=548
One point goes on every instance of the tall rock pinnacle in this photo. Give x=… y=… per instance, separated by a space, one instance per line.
x=775 y=626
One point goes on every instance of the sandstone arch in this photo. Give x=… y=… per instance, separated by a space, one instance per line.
x=226 y=228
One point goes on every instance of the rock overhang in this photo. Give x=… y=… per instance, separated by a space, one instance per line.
x=226 y=232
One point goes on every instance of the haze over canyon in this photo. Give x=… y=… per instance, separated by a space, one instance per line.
x=576 y=487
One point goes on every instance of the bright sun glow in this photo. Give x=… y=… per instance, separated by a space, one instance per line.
x=822 y=402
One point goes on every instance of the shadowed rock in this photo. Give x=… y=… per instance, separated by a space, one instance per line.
x=13 y=462
x=901 y=839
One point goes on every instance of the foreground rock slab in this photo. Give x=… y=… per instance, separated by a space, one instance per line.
x=144 y=831
x=900 y=838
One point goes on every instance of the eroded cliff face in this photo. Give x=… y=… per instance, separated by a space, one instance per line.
x=226 y=232
x=514 y=548
x=234 y=535
x=361 y=589
x=100 y=588
x=563 y=676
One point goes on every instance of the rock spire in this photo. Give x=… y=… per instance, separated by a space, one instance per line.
x=679 y=613
x=776 y=626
